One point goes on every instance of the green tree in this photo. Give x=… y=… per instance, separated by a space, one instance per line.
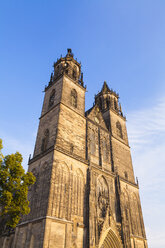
x=14 y=183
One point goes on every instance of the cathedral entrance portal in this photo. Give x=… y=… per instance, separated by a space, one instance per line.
x=110 y=240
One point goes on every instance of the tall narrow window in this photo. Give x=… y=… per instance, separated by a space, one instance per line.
x=101 y=104
x=108 y=102
x=51 y=99
x=74 y=73
x=92 y=143
x=115 y=104
x=74 y=98
x=119 y=130
x=45 y=140
x=105 y=150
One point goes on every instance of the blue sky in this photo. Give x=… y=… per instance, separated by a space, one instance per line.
x=122 y=42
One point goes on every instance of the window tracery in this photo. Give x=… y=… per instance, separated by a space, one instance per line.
x=68 y=202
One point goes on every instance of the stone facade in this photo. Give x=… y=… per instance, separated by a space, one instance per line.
x=85 y=195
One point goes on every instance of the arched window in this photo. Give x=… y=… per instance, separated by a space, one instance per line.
x=100 y=102
x=136 y=215
x=105 y=103
x=115 y=104
x=62 y=188
x=51 y=99
x=45 y=141
x=105 y=150
x=92 y=143
x=57 y=70
x=108 y=102
x=126 y=205
x=79 y=192
x=74 y=98
x=74 y=73
x=119 y=130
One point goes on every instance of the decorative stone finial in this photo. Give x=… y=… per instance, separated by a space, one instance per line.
x=51 y=77
x=29 y=158
x=69 y=54
x=81 y=79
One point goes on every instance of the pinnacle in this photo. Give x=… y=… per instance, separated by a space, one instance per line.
x=105 y=87
x=69 y=53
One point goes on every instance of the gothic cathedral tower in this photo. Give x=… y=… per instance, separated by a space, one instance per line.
x=85 y=195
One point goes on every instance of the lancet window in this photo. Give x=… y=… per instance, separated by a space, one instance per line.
x=115 y=104
x=136 y=216
x=74 y=98
x=119 y=130
x=69 y=192
x=51 y=99
x=74 y=73
x=45 y=140
x=126 y=206
x=92 y=142
x=105 y=150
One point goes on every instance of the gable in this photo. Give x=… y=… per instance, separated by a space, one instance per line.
x=96 y=116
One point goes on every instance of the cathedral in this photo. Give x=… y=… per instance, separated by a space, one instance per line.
x=85 y=195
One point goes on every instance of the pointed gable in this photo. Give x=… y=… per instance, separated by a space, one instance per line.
x=95 y=115
x=105 y=88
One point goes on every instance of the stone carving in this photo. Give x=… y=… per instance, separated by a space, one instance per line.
x=103 y=197
x=102 y=202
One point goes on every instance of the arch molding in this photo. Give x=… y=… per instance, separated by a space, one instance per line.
x=110 y=240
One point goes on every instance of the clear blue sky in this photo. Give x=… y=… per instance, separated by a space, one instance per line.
x=122 y=42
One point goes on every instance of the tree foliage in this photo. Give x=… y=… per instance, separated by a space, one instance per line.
x=14 y=183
